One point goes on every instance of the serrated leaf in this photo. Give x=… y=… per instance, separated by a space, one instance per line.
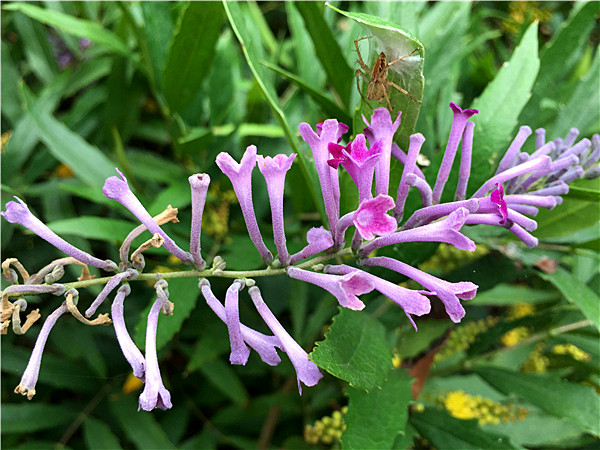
x=191 y=53
x=183 y=292
x=355 y=349
x=444 y=431
x=97 y=434
x=573 y=402
x=376 y=419
x=577 y=293
x=72 y=25
x=89 y=227
x=30 y=417
x=500 y=105
x=395 y=42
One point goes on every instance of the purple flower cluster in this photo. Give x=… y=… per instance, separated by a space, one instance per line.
x=523 y=183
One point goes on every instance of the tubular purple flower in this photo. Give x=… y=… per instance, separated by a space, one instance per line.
x=525 y=209
x=132 y=354
x=545 y=149
x=319 y=239
x=19 y=213
x=329 y=132
x=241 y=179
x=540 y=138
x=487 y=205
x=29 y=379
x=115 y=280
x=445 y=230
x=572 y=174
x=465 y=162
x=199 y=184
x=578 y=148
x=307 y=371
x=263 y=345
x=25 y=289
x=456 y=131
x=570 y=139
x=449 y=293
x=412 y=302
x=423 y=187
x=360 y=163
x=543 y=201
x=382 y=128
x=116 y=188
x=274 y=170
x=345 y=288
x=509 y=157
x=416 y=141
x=402 y=158
x=154 y=395
x=239 y=350
x=370 y=218
x=425 y=215
x=560 y=188
x=546 y=170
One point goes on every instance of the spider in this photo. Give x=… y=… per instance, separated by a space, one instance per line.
x=378 y=84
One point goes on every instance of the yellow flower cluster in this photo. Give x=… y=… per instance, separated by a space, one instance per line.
x=463 y=336
x=466 y=406
x=516 y=335
x=216 y=224
x=571 y=350
x=327 y=430
x=536 y=362
x=447 y=257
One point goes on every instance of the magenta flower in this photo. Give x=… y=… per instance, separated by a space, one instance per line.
x=274 y=170
x=239 y=350
x=116 y=188
x=382 y=129
x=370 y=218
x=319 y=239
x=263 y=345
x=307 y=371
x=19 y=213
x=345 y=289
x=29 y=379
x=154 y=395
x=132 y=354
x=240 y=176
x=449 y=293
x=497 y=197
x=459 y=122
x=465 y=162
x=199 y=184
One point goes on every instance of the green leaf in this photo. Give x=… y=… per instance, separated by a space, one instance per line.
x=191 y=53
x=222 y=376
x=99 y=435
x=72 y=25
x=508 y=294
x=355 y=349
x=327 y=49
x=183 y=292
x=444 y=431
x=31 y=417
x=582 y=108
x=576 y=292
x=139 y=426
x=377 y=418
x=395 y=42
x=88 y=162
x=591 y=195
x=158 y=30
x=575 y=403
x=500 y=105
x=89 y=227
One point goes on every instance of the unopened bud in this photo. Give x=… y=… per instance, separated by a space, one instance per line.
x=57 y=273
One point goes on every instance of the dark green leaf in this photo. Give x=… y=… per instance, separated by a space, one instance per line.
x=191 y=52
x=355 y=349
x=29 y=417
x=584 y=194
x=221 y=375
x=573 y=402
x=509 y=294
x=576 y=292
x=444 y=431
x=99 y=435
x=158 y=30
x=72 y=25
x=89 y=227
x=376 y=419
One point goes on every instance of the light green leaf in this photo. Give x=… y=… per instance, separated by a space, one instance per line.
x=376 y=419
x=31 y=417
x=444 y=431
x=509 y=294
x=97 y=434
x=355 y=349
x=158 y=30
x=576 y=292
x=573 y=402
x=72 y=25
x=500 y=105
x=191 y=53
x=101 y=228
x=591 y=195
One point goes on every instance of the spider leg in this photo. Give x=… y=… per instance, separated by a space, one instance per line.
x=385 y=94
x=360 y=60
x=400 y=59
x=391 y=83
x=361 y=73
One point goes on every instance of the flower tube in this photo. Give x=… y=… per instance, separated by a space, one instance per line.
x=132 y=354
x=239 y=349
x=199 y=184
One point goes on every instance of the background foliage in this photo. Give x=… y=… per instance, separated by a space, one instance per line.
x=162 y=87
